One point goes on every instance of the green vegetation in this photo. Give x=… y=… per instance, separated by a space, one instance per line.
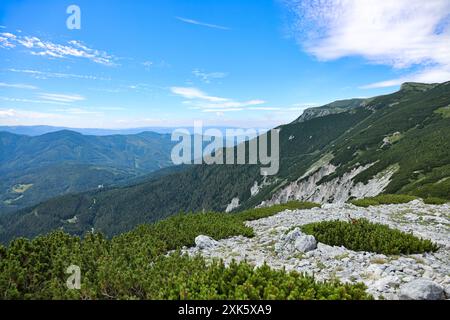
x=362 y=235
x=437 y=201
x=86 y=161
x=444 y=111
x=348 y=139
x=134 y=265
x=383 y=199
x=255 y=214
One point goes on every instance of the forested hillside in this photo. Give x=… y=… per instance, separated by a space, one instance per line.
x=407 y=131
x=35 y=169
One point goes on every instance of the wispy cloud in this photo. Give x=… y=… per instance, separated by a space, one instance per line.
x=203 y=24
x=401 y=34
x=200 y=100
x=17 y=86
x=44 y=75
x=194 y=93
x=66 y=98
x=23 y=100
x=206 y=77
x=428 y=75
x=27 y=114
x=72 y=49
x=147 y=64
x=215 y=110
x=80 y=111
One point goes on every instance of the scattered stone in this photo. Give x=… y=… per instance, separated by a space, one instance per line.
x=386 y=283
x=447 y=292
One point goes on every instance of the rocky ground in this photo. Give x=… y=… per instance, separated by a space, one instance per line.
x=418 y=276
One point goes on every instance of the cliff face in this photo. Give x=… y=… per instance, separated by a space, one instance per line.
x=338 y=190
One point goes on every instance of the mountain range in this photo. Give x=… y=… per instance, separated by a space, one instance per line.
x=37 y=168
x=395 y=143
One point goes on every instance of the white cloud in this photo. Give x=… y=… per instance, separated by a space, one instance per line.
x=17 y=86
x=207 y=77
x=199 y=100
x=265 y=108
x=401 y=34
x=199 y=23
x=44 y=75
x=22 y=100
x=26 y=114
x=56 y=97
x=38 y=47
x=80 y=111
x=147 y=64
x=223 y=110
x=194 y=93
x=428 y=75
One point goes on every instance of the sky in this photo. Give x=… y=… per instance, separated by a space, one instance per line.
x=244 y=63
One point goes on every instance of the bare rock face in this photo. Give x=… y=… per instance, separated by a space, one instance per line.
x=337 y=190
x=421 y=289
x=233 y=205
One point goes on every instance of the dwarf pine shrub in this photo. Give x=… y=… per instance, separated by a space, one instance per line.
x=363 y=235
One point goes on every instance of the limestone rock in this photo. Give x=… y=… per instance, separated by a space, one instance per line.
x=295 y=241
x=421 y=289
x=205 y=242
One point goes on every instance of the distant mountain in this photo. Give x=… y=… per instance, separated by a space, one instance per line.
x=34 y=169
x=396 y=143
x=40 y=130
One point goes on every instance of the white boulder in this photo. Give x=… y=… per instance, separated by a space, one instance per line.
x=205 y=242
x=421 y=289
x=295 y=241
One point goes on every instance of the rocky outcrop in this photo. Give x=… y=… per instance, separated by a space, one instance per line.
x=233 y=205
x=332 y=108
x=295 y=242
x=421 y=289
x=312 y=113
x=338 y=190
x=385 y=276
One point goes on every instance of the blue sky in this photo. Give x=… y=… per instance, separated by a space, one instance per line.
x=229 y=63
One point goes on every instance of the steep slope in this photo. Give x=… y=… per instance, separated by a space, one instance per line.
x=402 y=146
x=395 y=143
x=34 y=169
